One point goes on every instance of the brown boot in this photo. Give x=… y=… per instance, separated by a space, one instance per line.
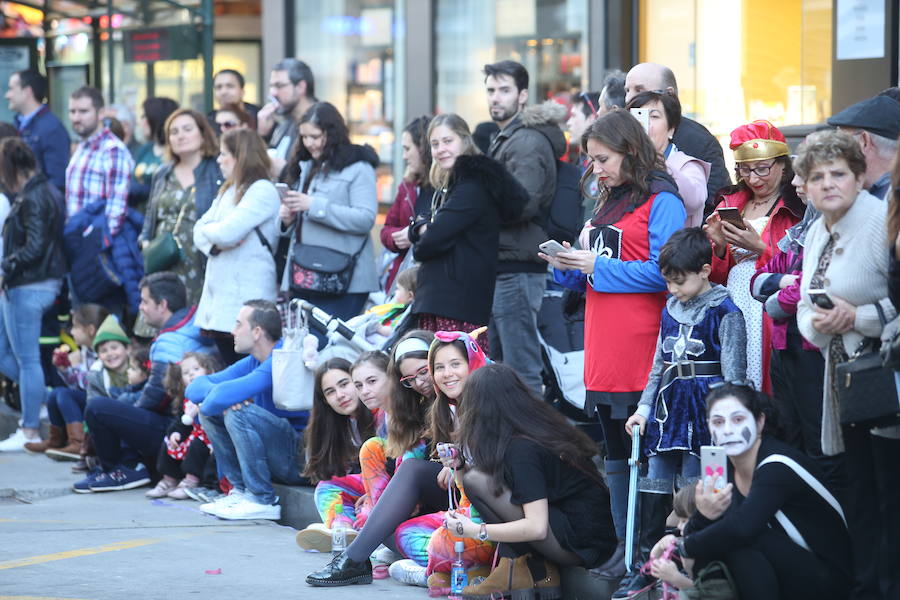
x=510 y=579
x=57 y=439
x=548 y=587
x=72 y=450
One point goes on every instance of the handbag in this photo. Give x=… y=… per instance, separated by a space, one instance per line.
x=713 y=582
x=890 y=345
x=866 y=390
x=322 y=270
x=292 y=381
x=164 y=251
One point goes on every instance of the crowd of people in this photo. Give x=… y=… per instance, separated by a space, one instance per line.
x=717 y=311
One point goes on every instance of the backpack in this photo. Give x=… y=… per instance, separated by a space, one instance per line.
x=562 y=220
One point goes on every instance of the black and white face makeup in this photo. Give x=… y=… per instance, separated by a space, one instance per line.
x=732 y=426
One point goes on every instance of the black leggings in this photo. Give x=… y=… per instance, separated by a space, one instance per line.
x=774 y=567
x=414 y=484
x=618 y=444
x=500 y=509
x=195 y=462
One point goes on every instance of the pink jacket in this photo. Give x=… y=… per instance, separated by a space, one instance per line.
x=691 y=175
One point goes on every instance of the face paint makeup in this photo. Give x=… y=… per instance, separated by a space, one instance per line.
x=732 y=426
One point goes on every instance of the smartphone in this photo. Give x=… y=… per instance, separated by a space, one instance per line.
x=643 y=117
x=820 y=298
x=732 y=215
x=714 y=467
x=552 y=248
x=282 y=189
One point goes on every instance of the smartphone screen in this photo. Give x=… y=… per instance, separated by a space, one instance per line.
x=714 y=467
x=820 y=298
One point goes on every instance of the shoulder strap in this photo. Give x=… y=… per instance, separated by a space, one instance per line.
x=263 y=240
x=808 y=479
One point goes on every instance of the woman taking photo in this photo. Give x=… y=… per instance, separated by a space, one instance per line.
x=690 y=174
x=413 y=196
x=636 y=212
x=32 y=270
x=330 y=210
x=845 y=255
x=457 y=245
x=149 y=158
x=779 y=531
x=182 y=191
x=768 y=206
x=237 y=234
x=533 y=481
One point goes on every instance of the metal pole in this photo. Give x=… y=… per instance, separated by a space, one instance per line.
x=206 y=9
x=110 y=52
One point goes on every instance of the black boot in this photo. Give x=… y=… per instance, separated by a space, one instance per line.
x=342 y=570
x=653 y=511
x=614 y=568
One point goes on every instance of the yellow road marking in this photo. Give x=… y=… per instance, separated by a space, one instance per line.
x=35 y=560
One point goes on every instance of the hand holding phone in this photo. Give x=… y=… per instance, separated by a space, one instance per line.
x=820 y=298
x=282 y=190
x=731 y=214
x=552 y=248
x=713 y=467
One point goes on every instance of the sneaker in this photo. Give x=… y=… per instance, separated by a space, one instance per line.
x=212 y=507
x=162 y=489
x=16 y=442
x=247 y=509
x=316 y=537
x=409 y=572
x=121 y=478
x=84 y=486
x=203 y=494
x=384 y=556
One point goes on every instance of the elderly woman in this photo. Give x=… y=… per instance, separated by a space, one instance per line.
x=846 y=255
x=690 y=174
x=767 y=206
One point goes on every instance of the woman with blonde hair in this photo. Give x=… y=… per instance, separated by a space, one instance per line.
x=457 y=244
x=237 y=235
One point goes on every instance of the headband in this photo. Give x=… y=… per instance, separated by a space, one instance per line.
x=412 y=344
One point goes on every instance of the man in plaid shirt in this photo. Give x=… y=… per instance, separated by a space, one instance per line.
x=101 y=166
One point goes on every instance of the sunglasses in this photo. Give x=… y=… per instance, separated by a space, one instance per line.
x=226 y=125
x=745 y=383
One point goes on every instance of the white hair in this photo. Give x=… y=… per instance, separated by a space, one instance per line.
x=886 y=147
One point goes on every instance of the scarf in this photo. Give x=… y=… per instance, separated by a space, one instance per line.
x=621 y=200
x=795 y=237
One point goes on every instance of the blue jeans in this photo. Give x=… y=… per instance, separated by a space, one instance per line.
x=669 y=465
x=114 y=424
x=65 y=406
x=253 y=447
x=513 y=330
x=22 y=309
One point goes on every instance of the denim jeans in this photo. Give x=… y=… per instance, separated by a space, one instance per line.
x=114 y=424
x=66 y=406
x=22 y=309
x=253 y=447
x=513 y=330
x=669 y=465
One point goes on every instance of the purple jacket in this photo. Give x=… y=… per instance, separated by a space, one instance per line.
x=780 y=304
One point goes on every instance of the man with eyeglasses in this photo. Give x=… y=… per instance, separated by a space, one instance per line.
x=875 y=123
x=691 y=137
x=292 y=90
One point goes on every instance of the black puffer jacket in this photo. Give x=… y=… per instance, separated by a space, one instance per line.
x=32 y=235
x=458 y=252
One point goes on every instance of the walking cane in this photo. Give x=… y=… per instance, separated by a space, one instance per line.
x=631 y=515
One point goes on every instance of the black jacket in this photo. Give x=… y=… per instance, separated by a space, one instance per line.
x=695 y=140
x=32 y=235
x=458 y=252
x=529 y=147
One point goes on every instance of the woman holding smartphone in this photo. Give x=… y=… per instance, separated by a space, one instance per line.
x=748 y=223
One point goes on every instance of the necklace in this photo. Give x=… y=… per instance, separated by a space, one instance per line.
x=758 y=203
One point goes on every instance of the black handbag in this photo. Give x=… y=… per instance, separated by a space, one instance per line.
x=866 y=389
x=322 y=270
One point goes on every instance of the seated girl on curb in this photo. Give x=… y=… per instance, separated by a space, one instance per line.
x=531 y=476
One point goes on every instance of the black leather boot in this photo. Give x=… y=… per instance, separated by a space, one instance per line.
x=653 y=511
x=614 y=568
x=342 y=570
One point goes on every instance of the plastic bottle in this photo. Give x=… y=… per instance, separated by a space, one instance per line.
x=458 y=576
x=338 y=532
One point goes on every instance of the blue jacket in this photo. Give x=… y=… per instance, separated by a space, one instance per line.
x=48 y=139
x=122 y=249
x=247 y=378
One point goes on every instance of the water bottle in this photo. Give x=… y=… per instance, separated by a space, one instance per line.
x=458 y=576
x=338 y=532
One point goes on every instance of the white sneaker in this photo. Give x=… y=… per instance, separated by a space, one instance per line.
x=211 y=508
x=409 y=572
x=16 y=442
x=384 y=556
x=315 y=537
x=247 y=509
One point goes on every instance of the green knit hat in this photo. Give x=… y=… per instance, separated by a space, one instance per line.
x=110 y=330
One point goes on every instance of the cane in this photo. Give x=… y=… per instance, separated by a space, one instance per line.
x=631 y=515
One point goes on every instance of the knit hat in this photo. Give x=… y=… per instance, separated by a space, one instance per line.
x=110 y=330
x=759 y=140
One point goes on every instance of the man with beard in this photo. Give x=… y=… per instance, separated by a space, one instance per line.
x=292 y=89
x=528 y=144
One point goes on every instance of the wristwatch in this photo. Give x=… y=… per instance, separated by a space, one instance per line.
x=482 y=533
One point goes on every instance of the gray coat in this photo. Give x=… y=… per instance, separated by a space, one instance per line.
x=341 y=217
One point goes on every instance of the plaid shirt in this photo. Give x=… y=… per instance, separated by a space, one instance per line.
x=100 y=168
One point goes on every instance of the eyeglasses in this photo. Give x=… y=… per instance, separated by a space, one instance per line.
x=226 y=125
x=738 y=382
x=587 y=100
x=421 y=376
x=279 y=85
x=760 y=171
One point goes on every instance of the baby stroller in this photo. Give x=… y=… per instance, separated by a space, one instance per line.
x=349 y=339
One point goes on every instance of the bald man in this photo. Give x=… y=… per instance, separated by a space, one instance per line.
x=691 y=137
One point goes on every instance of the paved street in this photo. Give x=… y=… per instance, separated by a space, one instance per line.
x=60 y=545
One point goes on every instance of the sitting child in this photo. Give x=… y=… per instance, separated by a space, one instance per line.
x=111 y=345
x=665 y=569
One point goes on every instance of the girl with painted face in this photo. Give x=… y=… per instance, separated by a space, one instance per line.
x=417 y=483
x=338 y=425
x=776 y=526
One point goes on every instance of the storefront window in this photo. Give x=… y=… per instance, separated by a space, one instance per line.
x=549 y=37
x=354 y=51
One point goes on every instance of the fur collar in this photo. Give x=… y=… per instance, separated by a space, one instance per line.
x=502 y=187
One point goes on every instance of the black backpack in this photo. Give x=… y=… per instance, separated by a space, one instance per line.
x=563 y=218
